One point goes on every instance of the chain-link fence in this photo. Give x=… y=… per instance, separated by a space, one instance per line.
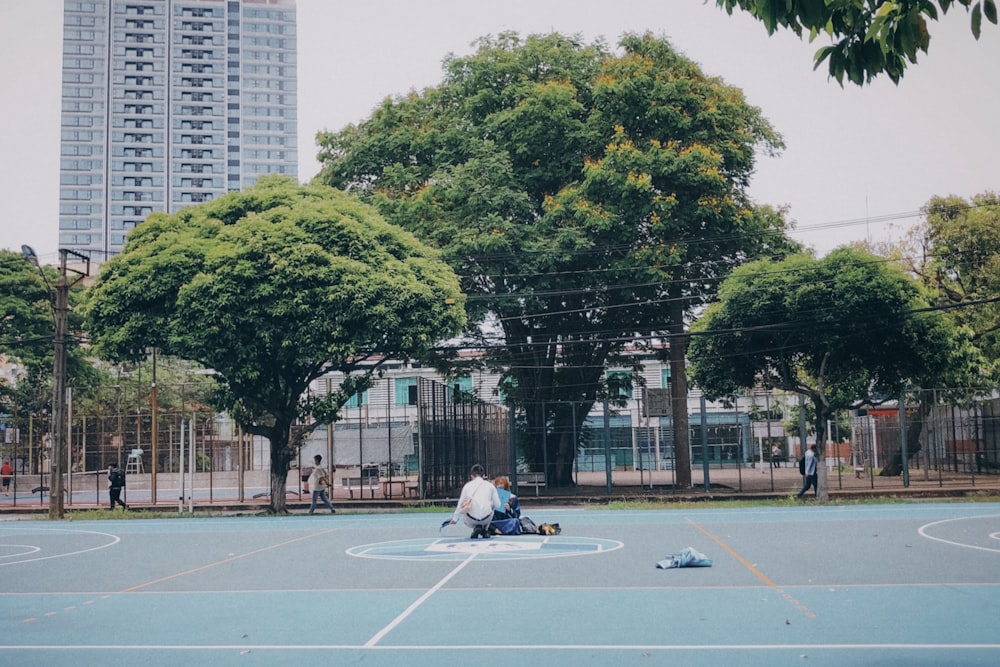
x=422 y=443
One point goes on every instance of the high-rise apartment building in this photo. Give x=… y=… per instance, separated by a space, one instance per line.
x=168 y=103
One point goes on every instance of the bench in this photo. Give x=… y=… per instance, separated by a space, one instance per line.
x=535 y=479
x=360 y=484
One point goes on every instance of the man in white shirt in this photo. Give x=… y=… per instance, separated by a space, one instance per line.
x=476 y=504
x=319 y=481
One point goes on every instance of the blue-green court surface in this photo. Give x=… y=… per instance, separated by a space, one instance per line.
x=906 y=584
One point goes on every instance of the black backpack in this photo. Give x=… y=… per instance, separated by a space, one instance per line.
x=802 y=465
x=118 y=478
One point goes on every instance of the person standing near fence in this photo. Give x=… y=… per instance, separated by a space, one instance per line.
x=116 y=482
x=6 y=470
x=319 y=482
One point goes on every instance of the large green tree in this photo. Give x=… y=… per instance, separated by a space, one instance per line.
x=271 y=288
x=587 y=198
x=871 y=37
x=955 y=253
x=962 y=265
x=843 y=331
x=27 y=330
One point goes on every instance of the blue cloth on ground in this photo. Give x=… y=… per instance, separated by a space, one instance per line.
x=685 y=558
x=510 y=526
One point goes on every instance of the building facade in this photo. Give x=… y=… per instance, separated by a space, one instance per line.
x=636 y=435
x=168 y=103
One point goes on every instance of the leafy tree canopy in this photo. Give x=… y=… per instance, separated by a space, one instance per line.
x=27 y=329
x=577 y=192
x=844 y=330
x=963 y=265
x=848 y=327
x=271 y=288
x=872 y=37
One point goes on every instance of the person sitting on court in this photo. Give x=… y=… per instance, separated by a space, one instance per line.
x=510 y=506
x=506 y=519
x=477 y=503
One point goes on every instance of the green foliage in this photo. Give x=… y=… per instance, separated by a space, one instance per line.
x=840 y=421
x=27 y=319
x=576 y=191
x=871 y=37
x=271 y=288
x=845 y=329
x=963 y=268
x=27 y=329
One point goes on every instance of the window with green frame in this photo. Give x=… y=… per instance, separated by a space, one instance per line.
x=665 y=378
x=619 y=384
x=463 y=384
x=358 y=400
x=405 y=391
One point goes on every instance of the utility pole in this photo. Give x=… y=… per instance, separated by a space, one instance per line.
x=56 y=509
x=154 y=434
x=58 y=427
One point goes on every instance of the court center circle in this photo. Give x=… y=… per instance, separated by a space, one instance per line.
x=495 y=548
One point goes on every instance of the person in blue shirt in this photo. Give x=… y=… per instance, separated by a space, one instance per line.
x=810 y=472
x=510 y=506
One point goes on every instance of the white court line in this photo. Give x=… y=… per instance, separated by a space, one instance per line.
x=28 y=549
x=419 y=601
x=500 y=647
x=923 y=533
x=114 y=540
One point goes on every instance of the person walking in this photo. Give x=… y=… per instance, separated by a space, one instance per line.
x=775 y=456
x=319 y=482
x=809 y=470
x=116 y=482
x=477 y=503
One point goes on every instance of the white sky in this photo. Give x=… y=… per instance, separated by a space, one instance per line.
x=853 y=155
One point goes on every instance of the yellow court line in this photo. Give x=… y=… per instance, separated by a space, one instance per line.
x=757 y=573
x=132 y=589
x=747 y=564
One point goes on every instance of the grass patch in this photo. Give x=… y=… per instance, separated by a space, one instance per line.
x=119 y=515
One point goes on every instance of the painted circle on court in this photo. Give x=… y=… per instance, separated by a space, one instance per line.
x=495 y=548
x=23 y=543
x=959 y=533
x=17 y=550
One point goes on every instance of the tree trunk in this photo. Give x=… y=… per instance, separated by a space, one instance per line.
x=894 y=467
x=822 y=474
x=281 y=461
x=279 y=490
x=569 y=424
x=565 y=455
x=678 y=396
